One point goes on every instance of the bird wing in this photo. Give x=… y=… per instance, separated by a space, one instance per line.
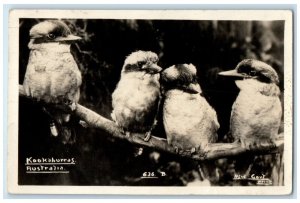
x=255 y=116
x=53 y=78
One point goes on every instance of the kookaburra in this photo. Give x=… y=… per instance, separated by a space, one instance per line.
x=190 y=122
x=256 y=112
x=52 y=74
x=136 y=98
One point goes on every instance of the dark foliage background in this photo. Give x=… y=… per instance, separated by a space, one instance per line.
x=212 y=46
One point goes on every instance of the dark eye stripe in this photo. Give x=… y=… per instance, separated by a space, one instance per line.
x=247 y=70
x=250 y=72
x=131 y=67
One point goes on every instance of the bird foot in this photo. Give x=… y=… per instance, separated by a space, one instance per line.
x=147 y=136
x=127 y=134
x=193 y=150
x=73 y=106
x=258 y=144
x=185 y=152
x=83 y=124
x=269 y=143
x=70 y=104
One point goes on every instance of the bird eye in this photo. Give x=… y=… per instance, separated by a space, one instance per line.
x=51 y=36
x=252 y=73
x=141 y=63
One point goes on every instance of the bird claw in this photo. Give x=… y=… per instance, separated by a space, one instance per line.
x=193 y=150
x=269 y=143
x=73 y=106
x=272 y=144
x=127 y=134
x=258 y=144
x=147 y=136
x=83 y=124
x=246 y=144
x=70 y=104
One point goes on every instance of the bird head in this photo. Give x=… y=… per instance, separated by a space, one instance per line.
x=253 y=69
x=51 y=31
x=181 y=76
x=141 y=61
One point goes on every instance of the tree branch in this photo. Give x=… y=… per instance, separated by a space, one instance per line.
x=212 y=151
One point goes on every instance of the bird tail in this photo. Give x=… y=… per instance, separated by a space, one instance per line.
x=208 y=171
x=66 y=131
x=67 y=134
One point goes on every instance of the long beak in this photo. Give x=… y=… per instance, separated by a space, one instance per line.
x=154 y=68
x=194 y=88
x=68 y=38
x=232 y=73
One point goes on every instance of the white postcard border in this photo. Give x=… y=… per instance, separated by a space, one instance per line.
x=12 y=165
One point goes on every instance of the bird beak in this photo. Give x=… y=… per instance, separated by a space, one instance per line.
x=232 y=73
x=154 y=68
x=195 y=88
x=68 y=38
x=36 y=37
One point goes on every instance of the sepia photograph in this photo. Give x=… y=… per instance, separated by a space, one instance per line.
x=171 y=102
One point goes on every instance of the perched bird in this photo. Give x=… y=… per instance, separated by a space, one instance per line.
x=190 y=122
x=256 y=112
x=136 y=98
x=52 y=74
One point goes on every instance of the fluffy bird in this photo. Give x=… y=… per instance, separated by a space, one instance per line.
x=256 y=112
x=136 y=98
x=52 y=74
x=189 y=121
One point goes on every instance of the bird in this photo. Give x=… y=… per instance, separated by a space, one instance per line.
x=256 y=113
x=136 y=99
x=52 y=74
x=190 y=122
